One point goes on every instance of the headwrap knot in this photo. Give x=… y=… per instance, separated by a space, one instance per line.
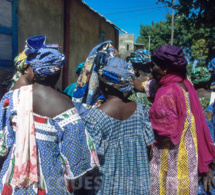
x=44 y=59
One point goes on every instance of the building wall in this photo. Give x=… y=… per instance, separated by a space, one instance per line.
x=85 y=26
x=126 y=45
x=41 y=17
x=46 y=17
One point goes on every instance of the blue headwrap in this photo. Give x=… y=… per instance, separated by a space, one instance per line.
x=43 y=59
x=141 y=56
x=79 y=68
x=211 y=67
x=118 y=74
x=100 y=47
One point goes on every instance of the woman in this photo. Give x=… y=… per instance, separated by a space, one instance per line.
x=41 y=134
x=121 y=131
x=201 y=78
x=205 y=187
x=70 y=89
x=141 y=62
x=87 y=91
x=183 y=142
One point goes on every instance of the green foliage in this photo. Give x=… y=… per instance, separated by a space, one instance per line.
x=160 y=33
x=189 y=69
x=195 y=28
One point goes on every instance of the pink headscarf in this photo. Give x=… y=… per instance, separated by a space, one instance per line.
x=168 y=120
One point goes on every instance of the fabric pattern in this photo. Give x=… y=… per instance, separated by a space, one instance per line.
x=205 y=102
x=210 y=118
x=20 y=61
x=44 y=59
x=87 y=87
x=121 y=147
x=118 y=74
x=200 y=74
x=64 y=149
x=25 y=169
x=211 y=67
x=142 y=98
x=160 y=117
x=174 y=168
x=140 y=56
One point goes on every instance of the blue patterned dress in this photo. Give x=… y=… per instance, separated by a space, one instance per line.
x=63 y=151
x=210 y=118
x=122 y=150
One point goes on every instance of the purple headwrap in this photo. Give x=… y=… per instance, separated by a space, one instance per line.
x=171 y=56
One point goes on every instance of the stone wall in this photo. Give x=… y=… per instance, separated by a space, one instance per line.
x=126 y=45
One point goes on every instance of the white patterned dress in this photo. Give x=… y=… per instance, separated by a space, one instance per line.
x=62 y=148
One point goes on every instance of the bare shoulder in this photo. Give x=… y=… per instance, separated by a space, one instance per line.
x=119 y=110
x=48 y=102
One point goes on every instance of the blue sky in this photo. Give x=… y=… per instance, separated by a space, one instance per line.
x=136 y=12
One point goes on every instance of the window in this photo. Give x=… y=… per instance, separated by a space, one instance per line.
x=127 y=47
x=8 y=32
x=102 y=37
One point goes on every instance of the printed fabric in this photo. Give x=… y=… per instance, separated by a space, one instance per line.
x=140 y=56
x=44 y=59
x=169 y=105
x=87 y=88
x=174 y=168
x=118 y=74
x=210 y=118
x=64 y=150
x=25 y=170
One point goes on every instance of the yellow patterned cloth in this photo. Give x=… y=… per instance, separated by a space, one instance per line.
x=174 y=169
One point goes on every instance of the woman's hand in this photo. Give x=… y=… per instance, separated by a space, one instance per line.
x=208 y=180
x=138 y=85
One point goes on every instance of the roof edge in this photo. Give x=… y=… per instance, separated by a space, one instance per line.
x=108 y=21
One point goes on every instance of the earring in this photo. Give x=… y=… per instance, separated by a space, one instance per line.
x=165 y=72
x=106 y=89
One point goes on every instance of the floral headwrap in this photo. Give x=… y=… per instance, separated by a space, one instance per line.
x=87 y=88
x=43 y=59
x=200 y=75
x=20 y=62
x=118 y=74
x=141 y=56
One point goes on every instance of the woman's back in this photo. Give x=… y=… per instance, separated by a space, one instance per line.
x=122 y=148
x=118 y=109
x=61 y=149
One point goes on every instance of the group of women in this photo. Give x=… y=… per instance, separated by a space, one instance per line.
x=102 y=142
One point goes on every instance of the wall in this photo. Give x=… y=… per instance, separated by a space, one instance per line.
x=84 y=34
x=124 y=40
x=41 y=17
x=46 y=17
